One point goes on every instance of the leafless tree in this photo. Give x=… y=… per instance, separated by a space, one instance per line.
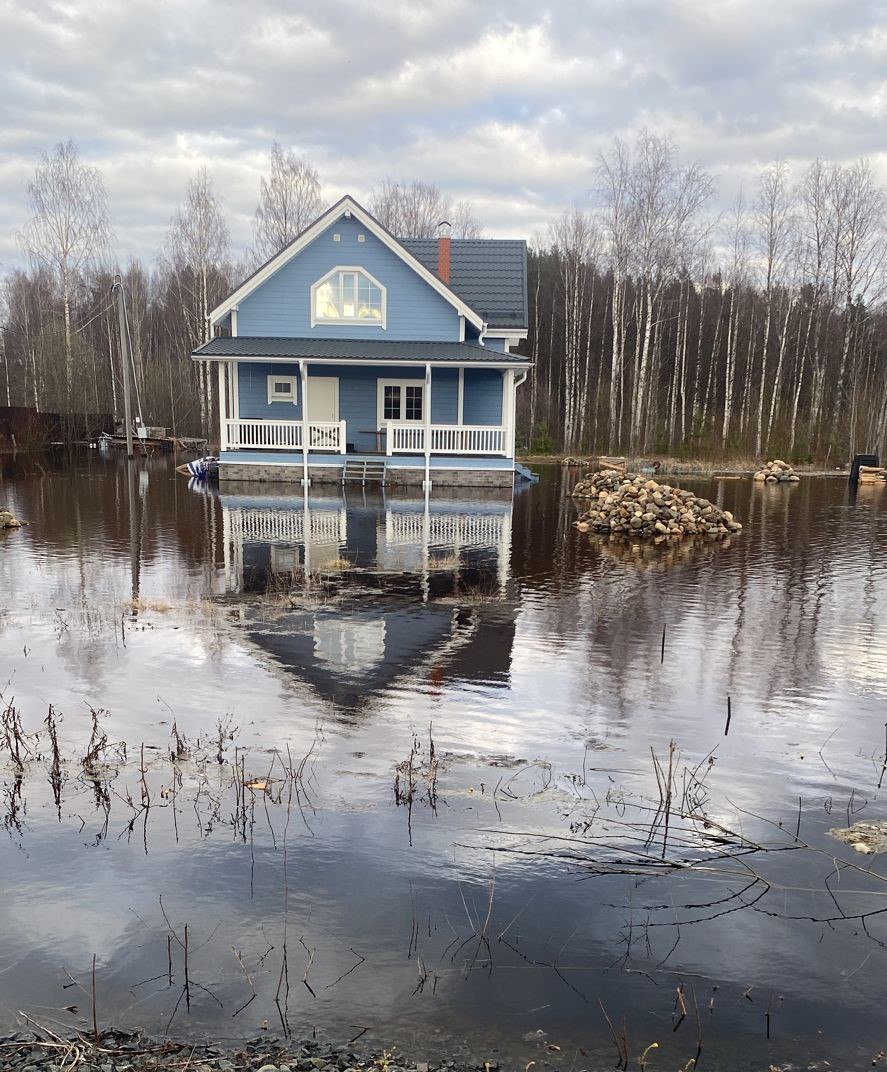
x=464 y=223
x=290 y=198
x=409 y=210
x=574 y=240
x=197 y=254
x=415 y=209
x=773 y=229
x=69 y=230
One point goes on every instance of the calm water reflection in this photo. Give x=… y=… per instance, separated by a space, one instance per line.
x=530 y=878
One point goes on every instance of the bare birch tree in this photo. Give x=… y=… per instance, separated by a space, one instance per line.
x=69 y=230
x=290 y=198
x=773 y=216
x=464 y=223
x=197 y=251
x=415 y=209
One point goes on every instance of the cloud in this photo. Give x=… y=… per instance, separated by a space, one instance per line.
x=506 y=104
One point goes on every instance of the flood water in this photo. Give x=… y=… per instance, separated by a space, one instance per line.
x=452 y=777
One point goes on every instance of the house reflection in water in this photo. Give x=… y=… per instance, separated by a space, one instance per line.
x=377 y=586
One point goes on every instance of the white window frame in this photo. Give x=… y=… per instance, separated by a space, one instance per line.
x=273 y=396
x=380 y=401
x=350 y=321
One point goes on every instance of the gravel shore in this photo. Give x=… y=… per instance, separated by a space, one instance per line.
x=117 y=1051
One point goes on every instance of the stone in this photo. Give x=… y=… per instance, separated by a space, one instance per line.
x=623 y=503
x=776 y=472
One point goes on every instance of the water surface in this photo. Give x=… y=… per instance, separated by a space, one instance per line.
x=460 y=710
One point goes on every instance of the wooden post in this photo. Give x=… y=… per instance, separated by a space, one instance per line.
x=124 y=361
x=303 y=379
x=223 y=409
x=427 y=436
x=460 y=405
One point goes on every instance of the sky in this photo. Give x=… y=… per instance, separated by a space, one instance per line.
x=508 y=105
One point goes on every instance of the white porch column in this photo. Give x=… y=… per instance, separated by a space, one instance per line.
x=426 y=484
x=460 y=405
x=303 y=383
x=507 y=409
x=512 y=397
x=223 y=409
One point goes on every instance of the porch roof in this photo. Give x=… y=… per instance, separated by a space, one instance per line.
x=371 y=351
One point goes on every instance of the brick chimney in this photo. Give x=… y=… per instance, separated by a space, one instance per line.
x=443 y=250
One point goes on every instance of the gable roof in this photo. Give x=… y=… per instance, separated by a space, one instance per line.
x=324 y=220
x=490 y=274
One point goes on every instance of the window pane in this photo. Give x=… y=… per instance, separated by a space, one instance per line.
x=284 y=387
x=414 y=404
x=369 y=300
x=349 y=288
x=392 y=403
x=348 y=296
x=328 y=300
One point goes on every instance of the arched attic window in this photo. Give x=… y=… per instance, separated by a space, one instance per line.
x=348 y=295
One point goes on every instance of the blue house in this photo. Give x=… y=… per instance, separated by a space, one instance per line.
x=355 y=354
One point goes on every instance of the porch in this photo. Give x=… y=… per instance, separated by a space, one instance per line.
x=389 y=410
x=400 y=470
x=393 y=438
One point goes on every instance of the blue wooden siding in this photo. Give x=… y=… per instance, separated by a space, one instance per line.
x=444 y=396
x=253 y=392
x=280 y=307
x=493 y=343
x=358 y=395
x=482 y=399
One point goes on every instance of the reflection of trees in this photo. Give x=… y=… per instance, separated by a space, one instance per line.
x=772 y=609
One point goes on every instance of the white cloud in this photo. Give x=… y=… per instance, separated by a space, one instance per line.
x=508 y=105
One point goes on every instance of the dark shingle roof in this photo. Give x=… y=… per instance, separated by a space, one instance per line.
x=351 y=349
x=489 y=274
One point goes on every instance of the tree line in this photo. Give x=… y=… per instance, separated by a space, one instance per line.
x=657 y=326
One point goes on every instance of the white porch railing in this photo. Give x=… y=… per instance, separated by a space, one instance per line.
x=445 y=439
x=285 y=435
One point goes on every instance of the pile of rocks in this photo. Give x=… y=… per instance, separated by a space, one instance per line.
x=635 y=506
x=8 y=521
x=777 y=472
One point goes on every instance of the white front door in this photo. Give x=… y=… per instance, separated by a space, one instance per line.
x=323 y=398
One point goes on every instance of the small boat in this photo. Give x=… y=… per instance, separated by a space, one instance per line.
x=200 y=468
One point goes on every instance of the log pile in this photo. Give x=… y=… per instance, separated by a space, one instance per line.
x=633 y=506
x=776 y=472
x=872 y=474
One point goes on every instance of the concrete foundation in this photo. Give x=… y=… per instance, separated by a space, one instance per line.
x=332 y=474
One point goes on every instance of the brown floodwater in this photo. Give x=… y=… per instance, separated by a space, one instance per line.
x=448 y=775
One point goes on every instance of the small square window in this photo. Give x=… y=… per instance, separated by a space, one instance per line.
x=361 y=238
x=337 y=238
x=282 y=389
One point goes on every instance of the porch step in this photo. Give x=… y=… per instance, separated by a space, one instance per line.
x=364 y=472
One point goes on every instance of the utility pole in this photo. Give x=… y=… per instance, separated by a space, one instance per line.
x=124 y=361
